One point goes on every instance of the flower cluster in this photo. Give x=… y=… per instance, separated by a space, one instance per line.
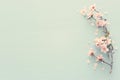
x=92 y=12
x=104 y=43
x=100 y=58
x=92 y=53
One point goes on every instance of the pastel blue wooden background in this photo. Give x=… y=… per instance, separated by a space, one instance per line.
x=48 y=40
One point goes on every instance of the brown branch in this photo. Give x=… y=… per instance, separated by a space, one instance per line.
x=110 y=64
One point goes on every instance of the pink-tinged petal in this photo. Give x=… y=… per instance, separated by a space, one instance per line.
x=100 y=58
x=83 y=11
x=91 y=52
x=90 y=14
x=98 y=15
x=101 y=23
x=98 y=42
x=92 y=7
x=108 y=41
x=104 y=48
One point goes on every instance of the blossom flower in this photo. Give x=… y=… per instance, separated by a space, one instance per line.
x=90 y=14
x=102 y=43
x=100 y=58
x=104 y=48
x=108 y=41
x=83 y=11
x=98 y=15
x=92 y=7
x=91 y=52
x=101 y=23
x=105 y=40
x=98 y=42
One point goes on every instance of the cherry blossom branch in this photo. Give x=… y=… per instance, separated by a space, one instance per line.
x=100 y=59
x=104 y=42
